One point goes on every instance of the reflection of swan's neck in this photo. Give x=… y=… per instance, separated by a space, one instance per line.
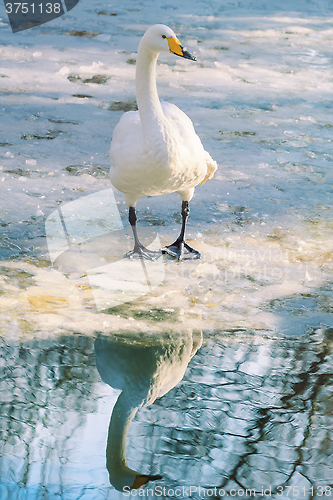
x=122 y=415
x=146 y=92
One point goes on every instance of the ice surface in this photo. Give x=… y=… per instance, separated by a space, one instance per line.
x=259 y=96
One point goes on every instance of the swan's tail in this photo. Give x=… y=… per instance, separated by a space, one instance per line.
x=211 y=168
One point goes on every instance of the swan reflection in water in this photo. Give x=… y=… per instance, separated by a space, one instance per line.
x=143 y=369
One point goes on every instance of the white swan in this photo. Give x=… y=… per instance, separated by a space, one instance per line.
x=155 y=150
x=143 y=372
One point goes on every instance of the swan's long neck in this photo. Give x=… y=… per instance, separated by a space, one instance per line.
x=150 y=109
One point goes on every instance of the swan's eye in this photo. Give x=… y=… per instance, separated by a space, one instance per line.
x=163 y=36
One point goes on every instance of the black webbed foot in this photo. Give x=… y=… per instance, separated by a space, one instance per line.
x=141 y=252
x=181 y=251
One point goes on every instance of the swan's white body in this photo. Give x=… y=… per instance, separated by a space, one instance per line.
x=155 y=150
x=143 y=373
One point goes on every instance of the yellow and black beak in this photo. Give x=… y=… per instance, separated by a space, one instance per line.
x=176 y=48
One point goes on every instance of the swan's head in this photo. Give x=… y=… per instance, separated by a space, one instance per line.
x=160 y=38
x=127 y=479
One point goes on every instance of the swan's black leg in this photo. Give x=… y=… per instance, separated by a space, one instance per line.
x=139 y=251
x=179 y=248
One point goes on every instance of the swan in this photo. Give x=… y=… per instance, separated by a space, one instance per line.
x=143 y=372
x=155 y=150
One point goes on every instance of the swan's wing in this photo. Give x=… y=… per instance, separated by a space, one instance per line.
x=182 y=122
x=188 y=135
x=211 y=167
